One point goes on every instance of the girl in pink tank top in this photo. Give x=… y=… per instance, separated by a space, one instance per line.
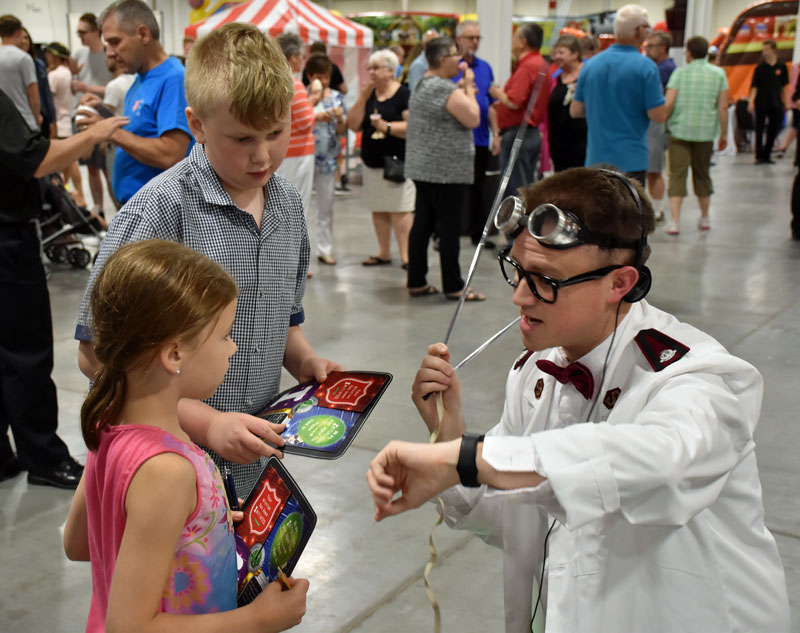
x=150 y=512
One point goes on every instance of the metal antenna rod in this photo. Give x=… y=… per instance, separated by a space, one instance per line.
x=563 y=11
x=537 y=88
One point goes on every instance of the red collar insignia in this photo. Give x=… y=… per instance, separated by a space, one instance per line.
x=523 y=359
x=659 y=349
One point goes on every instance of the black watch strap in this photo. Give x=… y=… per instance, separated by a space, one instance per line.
x=466 y=467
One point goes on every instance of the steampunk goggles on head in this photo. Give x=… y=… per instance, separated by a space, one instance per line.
x=549 y=225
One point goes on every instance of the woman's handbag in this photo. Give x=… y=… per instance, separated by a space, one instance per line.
x=394 y=169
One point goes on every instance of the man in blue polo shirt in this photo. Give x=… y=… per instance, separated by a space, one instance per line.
x=468 y=38
x=158 y=135
x=619 y=93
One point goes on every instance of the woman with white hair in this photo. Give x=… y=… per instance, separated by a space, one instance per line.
x=380 y=113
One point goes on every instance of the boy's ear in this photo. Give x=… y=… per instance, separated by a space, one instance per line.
x=195 y=125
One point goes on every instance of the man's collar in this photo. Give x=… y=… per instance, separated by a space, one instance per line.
x=595 y=360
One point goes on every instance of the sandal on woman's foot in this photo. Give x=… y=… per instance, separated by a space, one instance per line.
x=423 y=291
x=374 y=260
x=328 y=260
x=472 y=295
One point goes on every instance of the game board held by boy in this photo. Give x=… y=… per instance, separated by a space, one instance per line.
x=322 y=419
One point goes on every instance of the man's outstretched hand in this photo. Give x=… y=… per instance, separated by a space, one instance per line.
x=418 y=471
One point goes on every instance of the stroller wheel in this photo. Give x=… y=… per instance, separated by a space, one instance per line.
x=50 y=251
x=60 y=254
x=79 y=257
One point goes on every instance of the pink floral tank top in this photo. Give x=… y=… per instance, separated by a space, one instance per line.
x=203 y=572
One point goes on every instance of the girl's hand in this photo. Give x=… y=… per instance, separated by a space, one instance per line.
x=278 y=609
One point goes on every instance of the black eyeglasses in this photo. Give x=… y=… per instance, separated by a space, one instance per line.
x=545 y=288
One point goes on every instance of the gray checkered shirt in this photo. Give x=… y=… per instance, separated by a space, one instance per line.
x=187 y=204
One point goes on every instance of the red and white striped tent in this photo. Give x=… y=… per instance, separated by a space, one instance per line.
x=348 y=43
x=310 y=21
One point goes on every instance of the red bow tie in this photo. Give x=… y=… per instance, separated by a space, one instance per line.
x=576 y=373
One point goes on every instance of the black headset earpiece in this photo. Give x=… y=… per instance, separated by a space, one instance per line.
x=642 y=287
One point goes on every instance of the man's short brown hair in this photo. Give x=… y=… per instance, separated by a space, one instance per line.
x=697 y=47
x=600 y=200
x=9 y=25
x=239 y=67
x=91 y=20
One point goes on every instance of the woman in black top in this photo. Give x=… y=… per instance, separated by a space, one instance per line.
x=567 y=136
x=380 y=113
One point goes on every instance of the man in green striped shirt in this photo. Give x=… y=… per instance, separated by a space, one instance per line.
x=697 y=111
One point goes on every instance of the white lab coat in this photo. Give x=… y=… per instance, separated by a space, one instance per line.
x=660 y=522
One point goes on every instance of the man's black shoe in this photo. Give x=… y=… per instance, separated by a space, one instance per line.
x=10 y=469
x=66 y=475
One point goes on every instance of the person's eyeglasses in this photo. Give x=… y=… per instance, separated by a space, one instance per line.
x=376 y=67
x=645 y=26
x=543 y=287
x=474 y=38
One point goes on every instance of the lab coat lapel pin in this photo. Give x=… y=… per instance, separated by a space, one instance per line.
x=659 y=349
x=611 y=397
x=537 y=390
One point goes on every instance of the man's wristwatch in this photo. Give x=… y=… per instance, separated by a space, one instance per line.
x=466 y=467
x=388 y=128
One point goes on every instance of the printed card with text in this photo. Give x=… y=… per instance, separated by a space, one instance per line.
x=323 y=418
x=278 y=522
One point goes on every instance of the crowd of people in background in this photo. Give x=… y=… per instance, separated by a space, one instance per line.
x=429 y=119
x=189 y=148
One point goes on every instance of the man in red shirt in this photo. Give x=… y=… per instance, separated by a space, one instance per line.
x=512 y=100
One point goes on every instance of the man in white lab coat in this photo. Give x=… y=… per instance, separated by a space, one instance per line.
x=626 y=436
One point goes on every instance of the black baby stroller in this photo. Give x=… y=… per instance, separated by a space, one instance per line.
x=64 y=224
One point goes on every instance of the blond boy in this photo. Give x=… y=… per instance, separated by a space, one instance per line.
x=225 y=200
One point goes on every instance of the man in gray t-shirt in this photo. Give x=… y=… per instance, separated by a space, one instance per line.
x=91 y=74
x=18 y=73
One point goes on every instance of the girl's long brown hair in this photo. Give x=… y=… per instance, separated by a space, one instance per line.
x=147 y=294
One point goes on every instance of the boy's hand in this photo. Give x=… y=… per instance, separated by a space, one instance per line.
x=436 y=375
x=241 y=438
x=278 y=610
x=317 y=368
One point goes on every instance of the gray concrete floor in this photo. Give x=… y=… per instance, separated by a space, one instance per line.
x=740 y=282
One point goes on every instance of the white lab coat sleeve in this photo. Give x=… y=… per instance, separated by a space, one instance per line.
x=476 y=509
x=666 y=462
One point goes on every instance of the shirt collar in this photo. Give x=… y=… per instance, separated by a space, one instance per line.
x=595 y=360
x=210 y=187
